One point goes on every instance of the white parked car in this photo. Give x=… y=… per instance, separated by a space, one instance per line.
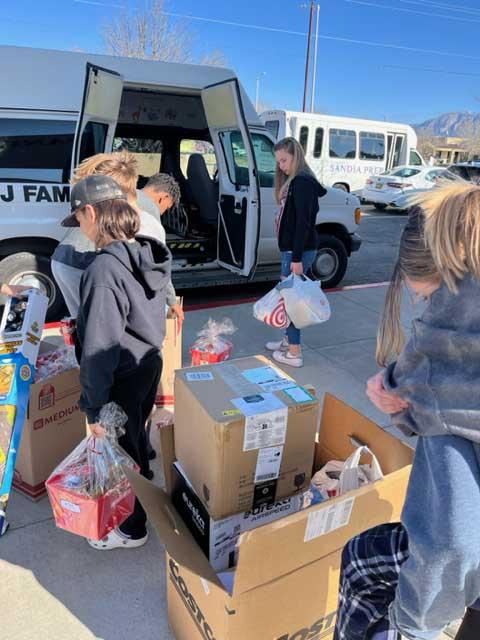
x=383 y=190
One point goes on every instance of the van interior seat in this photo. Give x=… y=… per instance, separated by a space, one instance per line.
x=203 y=189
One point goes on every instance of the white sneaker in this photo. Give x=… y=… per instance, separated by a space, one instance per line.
x=278 y=345
x=115 y=540
x=284 y=357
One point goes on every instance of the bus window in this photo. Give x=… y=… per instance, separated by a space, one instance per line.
x=343 y=144
x=415 y=159
x=372 y=146
x=318 y=143
x=147 y=151
x=303 y=139
x=272 y=127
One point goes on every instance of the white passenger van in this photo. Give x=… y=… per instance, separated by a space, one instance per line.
x=344 y=152
x=194 y=122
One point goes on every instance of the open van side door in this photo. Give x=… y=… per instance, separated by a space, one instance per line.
x=239 y=187
x=99 y=113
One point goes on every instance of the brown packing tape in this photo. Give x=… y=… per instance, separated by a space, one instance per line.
x=171 y=530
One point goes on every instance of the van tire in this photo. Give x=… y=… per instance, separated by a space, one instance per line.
x=342 y=186
x=28 y=268
x=379 y=206
x=331 y=261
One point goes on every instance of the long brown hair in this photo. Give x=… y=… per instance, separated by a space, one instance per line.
x=441 y=240
x=282 y=181
x=122 y=166
x=116 y=220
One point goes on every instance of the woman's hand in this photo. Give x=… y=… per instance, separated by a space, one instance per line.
x=96 y=430
x=296 y=268
x=386 y=401
x=14 y=290
x=178 y=311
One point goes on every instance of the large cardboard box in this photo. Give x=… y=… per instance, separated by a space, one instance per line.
x=172 y=360
x=286 y=582
x=243 y=433
x=54 y=427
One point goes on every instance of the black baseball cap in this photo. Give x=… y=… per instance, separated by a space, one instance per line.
x=91 y=190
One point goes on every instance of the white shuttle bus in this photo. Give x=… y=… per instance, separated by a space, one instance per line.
x=344 y=152
x=193 y=122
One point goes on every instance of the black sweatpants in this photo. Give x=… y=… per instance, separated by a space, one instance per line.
x=136 y=395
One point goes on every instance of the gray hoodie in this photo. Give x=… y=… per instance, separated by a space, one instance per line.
x=438 y=372
x=121 y=320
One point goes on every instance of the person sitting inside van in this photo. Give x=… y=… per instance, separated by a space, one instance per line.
x=76 y=252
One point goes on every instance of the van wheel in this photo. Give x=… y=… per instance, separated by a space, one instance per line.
x=341 y=186
x=28 y=269
x=379 y=206
x=331 y=261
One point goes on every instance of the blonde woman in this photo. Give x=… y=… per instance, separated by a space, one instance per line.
x=415 y=577
x=297 y=192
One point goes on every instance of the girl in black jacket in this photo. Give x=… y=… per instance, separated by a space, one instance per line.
x=297 y=192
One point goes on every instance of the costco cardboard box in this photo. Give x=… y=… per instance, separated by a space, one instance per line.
x=285 y=586
x=172 y=360
x=54 y=427
x=243 y=433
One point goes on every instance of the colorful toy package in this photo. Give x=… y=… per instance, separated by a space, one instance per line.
x=16 y=375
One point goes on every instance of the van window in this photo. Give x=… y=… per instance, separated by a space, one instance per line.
x=372 y=146
x=93 y=139
x=272 y=126
x=205 y=149
x=148 y=153
x=264 y=155
x=343 y=143
x=35 y=150
x=303 y=139
x=318 y=143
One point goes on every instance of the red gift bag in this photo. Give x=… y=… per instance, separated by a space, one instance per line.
x=89 y=491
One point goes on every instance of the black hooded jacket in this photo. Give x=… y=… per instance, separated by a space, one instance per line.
x=297 y=231
x=121 y=320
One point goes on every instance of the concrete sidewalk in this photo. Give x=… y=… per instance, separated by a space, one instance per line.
x=54 y=587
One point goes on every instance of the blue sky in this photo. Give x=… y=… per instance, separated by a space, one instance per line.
x=431 y=64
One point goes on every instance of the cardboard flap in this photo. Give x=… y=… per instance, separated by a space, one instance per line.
x=171 y=530
x=343 y=428
x=284 y=546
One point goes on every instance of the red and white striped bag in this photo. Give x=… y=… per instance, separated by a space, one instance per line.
x=271 y=310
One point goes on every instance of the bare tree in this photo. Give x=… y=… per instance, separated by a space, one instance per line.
x=148 y=32
x=426 y=146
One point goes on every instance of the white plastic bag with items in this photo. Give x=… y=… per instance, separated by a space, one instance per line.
x=337 y=477
x=305 y=302
x=271 y=310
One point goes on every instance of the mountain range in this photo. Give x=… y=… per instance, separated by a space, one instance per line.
x=461 y=124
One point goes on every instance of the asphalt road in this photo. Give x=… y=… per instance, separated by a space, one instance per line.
x=380 y=232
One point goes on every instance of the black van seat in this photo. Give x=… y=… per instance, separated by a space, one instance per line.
x=203 y=189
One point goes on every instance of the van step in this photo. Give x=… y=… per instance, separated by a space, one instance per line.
x=217 y=277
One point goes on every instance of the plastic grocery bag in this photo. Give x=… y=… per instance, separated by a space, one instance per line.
x=271 y=310
x=337 y=477
x=305 y=302
x=89 y=492
x=211 y=346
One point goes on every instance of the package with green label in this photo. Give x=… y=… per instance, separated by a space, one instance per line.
x=243 y=433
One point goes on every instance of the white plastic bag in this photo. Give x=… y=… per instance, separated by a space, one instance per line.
x=337 y=477
x=305 y=302
x=271 y=310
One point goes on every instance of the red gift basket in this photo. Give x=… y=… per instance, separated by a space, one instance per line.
x=89 y=492
x=211 y=346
